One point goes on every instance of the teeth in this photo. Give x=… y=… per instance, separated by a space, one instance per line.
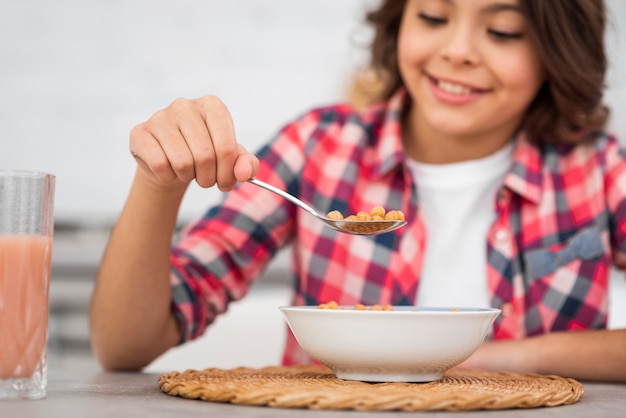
x=453 y=88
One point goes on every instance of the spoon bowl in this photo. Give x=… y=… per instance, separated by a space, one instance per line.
x=373 y=227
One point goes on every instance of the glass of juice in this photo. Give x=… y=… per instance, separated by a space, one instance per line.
x=26 y=226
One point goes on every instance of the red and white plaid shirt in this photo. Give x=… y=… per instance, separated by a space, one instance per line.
x=561 y=220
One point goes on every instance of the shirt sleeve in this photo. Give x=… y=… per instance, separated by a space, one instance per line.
x=217 y=257
x=615 y=190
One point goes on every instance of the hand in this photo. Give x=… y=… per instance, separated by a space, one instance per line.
x=598 y=355
x=192 y=139
x=497 y=356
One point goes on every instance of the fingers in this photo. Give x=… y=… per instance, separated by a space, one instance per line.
x=149 y=155
x=219 y=168
x=192 y=139
x=175 y=157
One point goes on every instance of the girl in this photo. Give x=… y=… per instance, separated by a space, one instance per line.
x=487 y=131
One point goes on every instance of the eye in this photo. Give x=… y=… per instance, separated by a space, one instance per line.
x=504 y=36
x=432 y=20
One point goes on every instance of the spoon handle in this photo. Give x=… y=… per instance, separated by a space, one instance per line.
x=286 y=195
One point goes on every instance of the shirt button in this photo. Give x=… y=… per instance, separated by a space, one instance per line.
x=501 y=235
x=507 y=309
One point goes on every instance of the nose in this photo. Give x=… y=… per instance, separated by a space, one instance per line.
x=459 y=47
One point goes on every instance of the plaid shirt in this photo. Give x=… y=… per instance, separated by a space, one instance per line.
x=561 y=222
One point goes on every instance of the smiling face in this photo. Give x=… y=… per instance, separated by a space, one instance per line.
x=472 y=71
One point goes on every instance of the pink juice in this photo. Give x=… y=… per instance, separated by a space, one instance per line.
x=24 y=284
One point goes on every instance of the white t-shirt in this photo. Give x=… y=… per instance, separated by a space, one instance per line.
x=457 y=204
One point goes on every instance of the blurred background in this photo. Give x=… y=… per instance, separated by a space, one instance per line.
x=76 y=76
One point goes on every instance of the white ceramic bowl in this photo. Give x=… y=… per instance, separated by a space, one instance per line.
x=407 y=344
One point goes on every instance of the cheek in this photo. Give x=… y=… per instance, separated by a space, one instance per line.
x=522 y=73
x=405 y=55
x=413 y=50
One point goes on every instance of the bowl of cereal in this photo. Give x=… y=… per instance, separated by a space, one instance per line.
x=389 y=343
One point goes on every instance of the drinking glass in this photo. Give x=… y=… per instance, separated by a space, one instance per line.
x=26 y=226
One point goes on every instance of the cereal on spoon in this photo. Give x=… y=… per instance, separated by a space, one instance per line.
x=377 y=213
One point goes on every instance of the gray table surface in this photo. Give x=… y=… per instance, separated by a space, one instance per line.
x=86 y=393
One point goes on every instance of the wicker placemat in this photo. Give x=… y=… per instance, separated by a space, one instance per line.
x=317 y=388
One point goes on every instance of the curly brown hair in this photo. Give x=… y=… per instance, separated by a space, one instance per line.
x=568 y=36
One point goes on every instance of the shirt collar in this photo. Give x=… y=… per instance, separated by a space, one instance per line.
x=524 y=177
x=389 y=152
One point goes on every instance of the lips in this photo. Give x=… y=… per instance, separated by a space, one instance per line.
x=454 y=87
x=454 y=92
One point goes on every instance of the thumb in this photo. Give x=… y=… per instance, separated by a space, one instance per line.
x=246 y=166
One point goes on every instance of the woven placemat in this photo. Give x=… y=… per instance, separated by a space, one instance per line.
x=317 y=387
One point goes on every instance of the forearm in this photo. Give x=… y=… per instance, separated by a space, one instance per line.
x=131 y=322
x=586 y=355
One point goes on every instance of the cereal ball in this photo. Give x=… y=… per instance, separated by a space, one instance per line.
x=363 y=216
x=359 y=307
x=377 y=218
x=394 y=215
x=335 y=214
x=377 y=211
x=351 y=218
x=330 y=305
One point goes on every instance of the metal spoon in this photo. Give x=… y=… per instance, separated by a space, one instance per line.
x=373 y=227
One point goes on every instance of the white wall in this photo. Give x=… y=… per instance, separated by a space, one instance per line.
x=77 y=75
x=616 y=80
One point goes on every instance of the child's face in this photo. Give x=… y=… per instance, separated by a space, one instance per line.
x=469 y=65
